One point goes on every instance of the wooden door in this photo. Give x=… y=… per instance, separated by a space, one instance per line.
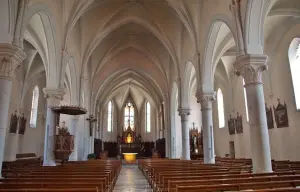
x=231 y=149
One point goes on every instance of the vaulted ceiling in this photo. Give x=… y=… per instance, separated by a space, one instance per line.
x=135 y=37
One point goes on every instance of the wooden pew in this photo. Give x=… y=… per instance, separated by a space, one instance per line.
x=239 y=186
x=192 y=174
x=172 y=184
x=51 y=190
x=99 y=175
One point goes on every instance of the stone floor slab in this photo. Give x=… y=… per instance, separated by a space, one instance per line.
x=131 y=179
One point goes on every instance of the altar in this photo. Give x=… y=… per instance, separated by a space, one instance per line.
x=129 y=145
x=130 y=157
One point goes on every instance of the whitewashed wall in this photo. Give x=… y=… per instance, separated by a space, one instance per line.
x=195 y=115
x=33 y=139
x=277 y=84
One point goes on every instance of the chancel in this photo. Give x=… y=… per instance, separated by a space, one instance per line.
x=128 y=95
x=129 y=143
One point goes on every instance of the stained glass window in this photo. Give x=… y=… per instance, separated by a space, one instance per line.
x=129 y=116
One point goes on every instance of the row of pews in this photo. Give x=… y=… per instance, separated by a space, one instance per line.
x=83 y=176
x=226 y=175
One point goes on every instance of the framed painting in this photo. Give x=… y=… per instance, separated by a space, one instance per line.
x=13 y=123
x=239 y=124
x=281 y=116
x=231 y=126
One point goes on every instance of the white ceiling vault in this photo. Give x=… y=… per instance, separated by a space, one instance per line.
x=132 y=49
x=107 y=49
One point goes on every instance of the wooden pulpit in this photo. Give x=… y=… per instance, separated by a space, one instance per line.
x=64 y=145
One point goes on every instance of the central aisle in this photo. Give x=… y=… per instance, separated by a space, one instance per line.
x=131 y=179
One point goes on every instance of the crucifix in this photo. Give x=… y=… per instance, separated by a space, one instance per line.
x=193 y=125
x=91 y=120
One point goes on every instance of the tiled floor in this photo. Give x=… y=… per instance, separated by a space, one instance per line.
x=131 y=179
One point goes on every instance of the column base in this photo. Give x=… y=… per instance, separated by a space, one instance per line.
x=210 y=162
x=73 y=159
x=182 y=158
x=264 y=171
x=49 y=163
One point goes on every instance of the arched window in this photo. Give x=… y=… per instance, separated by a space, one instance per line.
x=129 y=116
x=246 y=103
x=294 y=59
x=148 y=117
x=220 y=101
x=34 y=107
x=109 y=117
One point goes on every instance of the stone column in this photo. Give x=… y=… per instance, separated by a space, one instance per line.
x=53 y=97
x=184 y=114
x=10 y=58
x=206 y=100
x=74 y=131
x=250 y=67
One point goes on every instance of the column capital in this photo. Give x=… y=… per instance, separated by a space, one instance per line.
x=205 y=98
x=251 y=67
x=53 y=95
x=10 y=58
x=184 y=111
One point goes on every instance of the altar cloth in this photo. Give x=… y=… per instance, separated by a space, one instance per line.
x=130 y=157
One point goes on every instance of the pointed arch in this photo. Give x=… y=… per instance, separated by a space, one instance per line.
x=256 y=13
x=51 y=53
x=189 y=74
x=210 y=53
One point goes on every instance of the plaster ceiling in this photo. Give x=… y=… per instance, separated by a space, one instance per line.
x=130 y=35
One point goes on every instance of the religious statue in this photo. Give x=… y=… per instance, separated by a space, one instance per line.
x=194 y=137
x=129 y=138
x=91 y=120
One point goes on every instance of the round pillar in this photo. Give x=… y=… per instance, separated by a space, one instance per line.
x=206 y=99
x=10 y=58
x=251 y=67
x=53 y=97
x=74 y=131
x=184 y=114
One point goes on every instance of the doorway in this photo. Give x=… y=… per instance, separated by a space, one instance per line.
x=231 y=149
